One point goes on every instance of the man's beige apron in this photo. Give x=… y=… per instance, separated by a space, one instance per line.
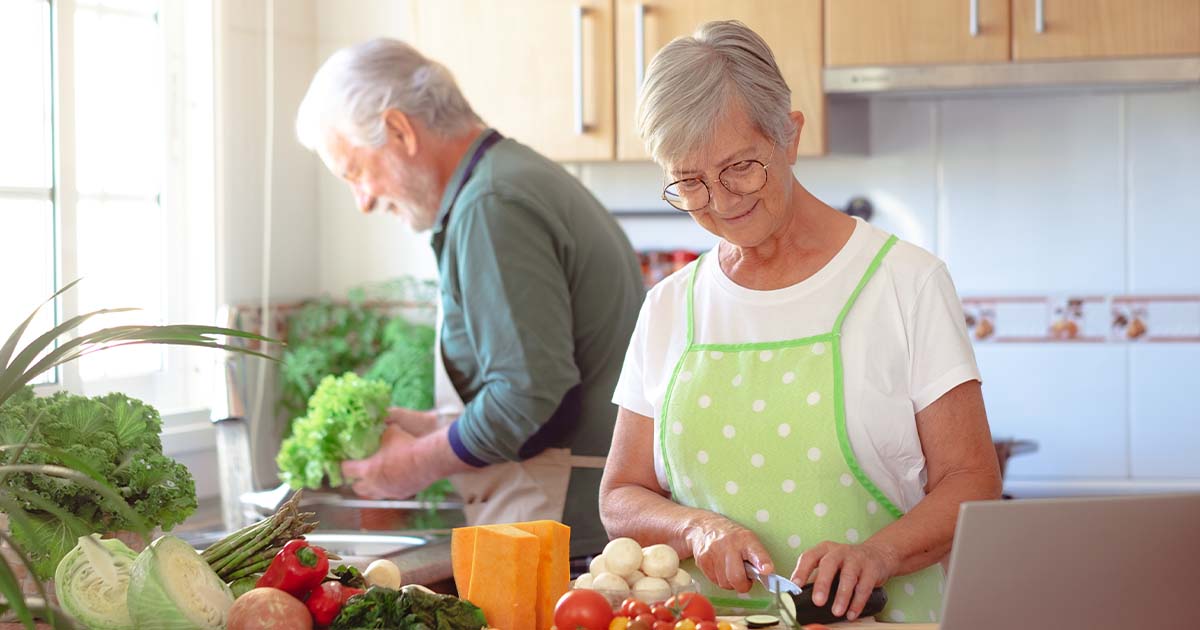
x=530 y=490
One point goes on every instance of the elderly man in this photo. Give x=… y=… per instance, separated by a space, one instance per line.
x=540 y=293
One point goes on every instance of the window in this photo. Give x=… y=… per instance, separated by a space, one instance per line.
x=107 y=177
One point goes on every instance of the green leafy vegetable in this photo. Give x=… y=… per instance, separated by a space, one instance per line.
x=172 y=588
x=408 y=609
x=350 y=576
x=93 y=579
x=112 y=439
x=345 y=420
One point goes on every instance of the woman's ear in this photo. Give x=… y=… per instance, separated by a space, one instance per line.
x=793 y=147
x=400 y=127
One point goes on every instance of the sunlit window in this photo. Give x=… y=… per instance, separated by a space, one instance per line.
x=97 y=105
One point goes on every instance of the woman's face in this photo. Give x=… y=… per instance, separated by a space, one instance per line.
x=742 y=220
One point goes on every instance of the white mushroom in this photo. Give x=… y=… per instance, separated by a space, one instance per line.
x=598 y=565
x=632 y=578
x=682 y=578
x=651 y=589
x=660 y=561
x=610 y=582
x=623 y=556
x=584 y=581
x=383 y=572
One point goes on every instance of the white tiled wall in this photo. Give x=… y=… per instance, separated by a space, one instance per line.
x=1028 y=194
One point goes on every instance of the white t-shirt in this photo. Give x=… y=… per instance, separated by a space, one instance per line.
x=904 y=344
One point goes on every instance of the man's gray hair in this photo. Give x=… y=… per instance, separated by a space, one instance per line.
x=353 y=88
x=694 y=80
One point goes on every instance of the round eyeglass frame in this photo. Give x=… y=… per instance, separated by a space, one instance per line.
x=720 y=178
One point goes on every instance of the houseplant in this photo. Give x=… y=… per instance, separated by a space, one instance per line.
x=18 y=367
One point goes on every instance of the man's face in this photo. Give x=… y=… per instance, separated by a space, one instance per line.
x=385 y=178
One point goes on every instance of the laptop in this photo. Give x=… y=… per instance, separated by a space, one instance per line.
x=1096 y=563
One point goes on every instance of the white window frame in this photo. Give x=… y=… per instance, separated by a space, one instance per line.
x=182 y=388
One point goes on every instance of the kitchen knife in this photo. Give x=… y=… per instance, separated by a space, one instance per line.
x=796 y=602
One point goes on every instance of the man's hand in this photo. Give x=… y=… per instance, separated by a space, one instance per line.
x=416 y=423
x=391 y=472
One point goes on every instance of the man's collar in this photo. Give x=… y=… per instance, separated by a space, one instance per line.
x=457 y=181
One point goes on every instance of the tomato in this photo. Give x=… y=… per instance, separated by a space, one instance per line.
x=686 y=624
x=633 y=607
x=693 y=606
x=582 y=609
x=708 y=625
x=662 y=612
x=646 y=618
x=619 y=623
x=640 y=625
x=724 y=625
x=664 y=625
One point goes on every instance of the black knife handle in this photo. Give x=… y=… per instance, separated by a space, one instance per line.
x=807 y=612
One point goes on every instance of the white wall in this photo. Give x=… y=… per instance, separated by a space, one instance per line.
x=241 y=114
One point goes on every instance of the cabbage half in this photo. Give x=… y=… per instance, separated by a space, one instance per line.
x=172 y=588
x=92 y=580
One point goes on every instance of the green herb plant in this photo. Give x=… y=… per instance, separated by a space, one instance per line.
x=42 y=481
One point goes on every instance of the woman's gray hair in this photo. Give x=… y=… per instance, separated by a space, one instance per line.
x=355 y=86
x=694 y=80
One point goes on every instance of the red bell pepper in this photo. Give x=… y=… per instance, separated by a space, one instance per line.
x=297 y=569
x=326 y=602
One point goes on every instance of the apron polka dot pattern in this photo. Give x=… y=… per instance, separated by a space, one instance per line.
x=756 y=432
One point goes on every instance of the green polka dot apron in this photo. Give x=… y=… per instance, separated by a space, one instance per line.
x=757 y=432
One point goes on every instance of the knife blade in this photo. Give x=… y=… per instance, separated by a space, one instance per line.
x=773 y=582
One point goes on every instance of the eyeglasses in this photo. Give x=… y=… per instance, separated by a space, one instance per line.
x=693 y=194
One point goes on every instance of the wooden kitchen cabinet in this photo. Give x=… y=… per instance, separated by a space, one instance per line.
x=1092 y=29
x=913 y=32
x=530 y=68
x=792 y=28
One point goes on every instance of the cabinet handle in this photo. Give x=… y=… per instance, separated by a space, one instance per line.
x=1039 y=16
x=579 y=126
x=974 y=18
x=639 y=46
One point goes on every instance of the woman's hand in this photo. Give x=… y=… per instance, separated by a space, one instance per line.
x=861 y=568
x=720 y=545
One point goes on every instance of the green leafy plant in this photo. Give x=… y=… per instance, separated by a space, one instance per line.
x=53 y=466
x=345 y=421
x=325 y=337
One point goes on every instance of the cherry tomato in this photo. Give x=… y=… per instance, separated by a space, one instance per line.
x=584 y=609
x=686 y=624
x=646 y=618
x=693 y=606
x=662 y=613
x=724 y=625
x=708 y=625
x=664 y=625
x=640 y=625
x=636 y=607
x=619 y=623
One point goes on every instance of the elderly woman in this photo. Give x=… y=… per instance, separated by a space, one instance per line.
x=803 y=397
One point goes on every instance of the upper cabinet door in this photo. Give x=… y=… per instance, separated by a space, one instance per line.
x=912 y=32
x=792 y=28
x=539 y=71
x=1089 y=29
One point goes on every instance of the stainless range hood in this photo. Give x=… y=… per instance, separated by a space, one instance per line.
x=1002 y=76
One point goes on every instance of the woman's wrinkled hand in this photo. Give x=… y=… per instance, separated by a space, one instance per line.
x=861 y=568
x=720 y=546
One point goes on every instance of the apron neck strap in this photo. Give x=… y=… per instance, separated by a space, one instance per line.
x=874 y=266
x=691 y=291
